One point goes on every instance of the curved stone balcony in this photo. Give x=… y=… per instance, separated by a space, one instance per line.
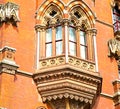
x=75 y=80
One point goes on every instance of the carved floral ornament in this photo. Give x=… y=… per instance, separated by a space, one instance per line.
x=9 y=13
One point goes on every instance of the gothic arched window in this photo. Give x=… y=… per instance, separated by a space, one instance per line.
x=78 y=44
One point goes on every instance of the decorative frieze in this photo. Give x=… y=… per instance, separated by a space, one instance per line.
x=49 y=62
x=82 y=64
x=9 y=13
x=60 y=60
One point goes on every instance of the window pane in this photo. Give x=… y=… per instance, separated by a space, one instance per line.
x=83 y=52
x=72 y=48
x=72 y=36
x=59 y=48
x=48 y=50
x=83 y=47
x=58 y=33
x=49 y=35
x=82 y=38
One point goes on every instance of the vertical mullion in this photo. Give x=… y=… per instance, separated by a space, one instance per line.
x=53 y=41
x=78 y=43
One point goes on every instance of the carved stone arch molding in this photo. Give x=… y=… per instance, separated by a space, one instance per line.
x=52 y=15
x=48 y=5
x=84 y=10
x=78 y=17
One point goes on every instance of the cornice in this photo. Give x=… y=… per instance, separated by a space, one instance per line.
x=107 y=95
x=24 y=73
x=104 y=23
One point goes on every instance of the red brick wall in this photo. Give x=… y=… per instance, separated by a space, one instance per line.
x=20 y=91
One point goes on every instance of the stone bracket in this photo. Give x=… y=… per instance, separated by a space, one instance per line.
x=9 y=13
x=7 y=60
x=116 y=96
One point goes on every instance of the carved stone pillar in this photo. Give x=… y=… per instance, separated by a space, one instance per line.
x=94 y=33
x=66 y=22
x=89 y=33
x=39 y=30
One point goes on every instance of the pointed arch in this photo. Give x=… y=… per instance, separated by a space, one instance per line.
x=85 y=8
x=46 y=4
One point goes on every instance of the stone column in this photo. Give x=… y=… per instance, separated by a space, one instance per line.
x=66 y=22
x=94 y=32
x=38 y=29
x=90 y=45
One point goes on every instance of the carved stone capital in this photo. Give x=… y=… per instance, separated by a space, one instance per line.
x=66 y=22
x=92 y=31
x=39 y=28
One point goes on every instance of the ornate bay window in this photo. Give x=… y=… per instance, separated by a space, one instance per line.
x=66 y=66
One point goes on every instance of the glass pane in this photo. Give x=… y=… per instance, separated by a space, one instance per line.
x=72 y=36
x=82 y=38
x=72 y=48
x=49 y=35
x=83 y=52
x=58 y=33
x=49 y=50
x=59 y=48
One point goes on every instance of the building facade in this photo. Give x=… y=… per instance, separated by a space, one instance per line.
x=59 y=54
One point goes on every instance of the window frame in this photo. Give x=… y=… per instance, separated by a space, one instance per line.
x=70 y=41
x=54 y=41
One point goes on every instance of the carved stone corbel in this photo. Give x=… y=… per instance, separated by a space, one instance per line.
x=2 y=13
x=114 y=46
x=7 y=62
x=9 y=13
